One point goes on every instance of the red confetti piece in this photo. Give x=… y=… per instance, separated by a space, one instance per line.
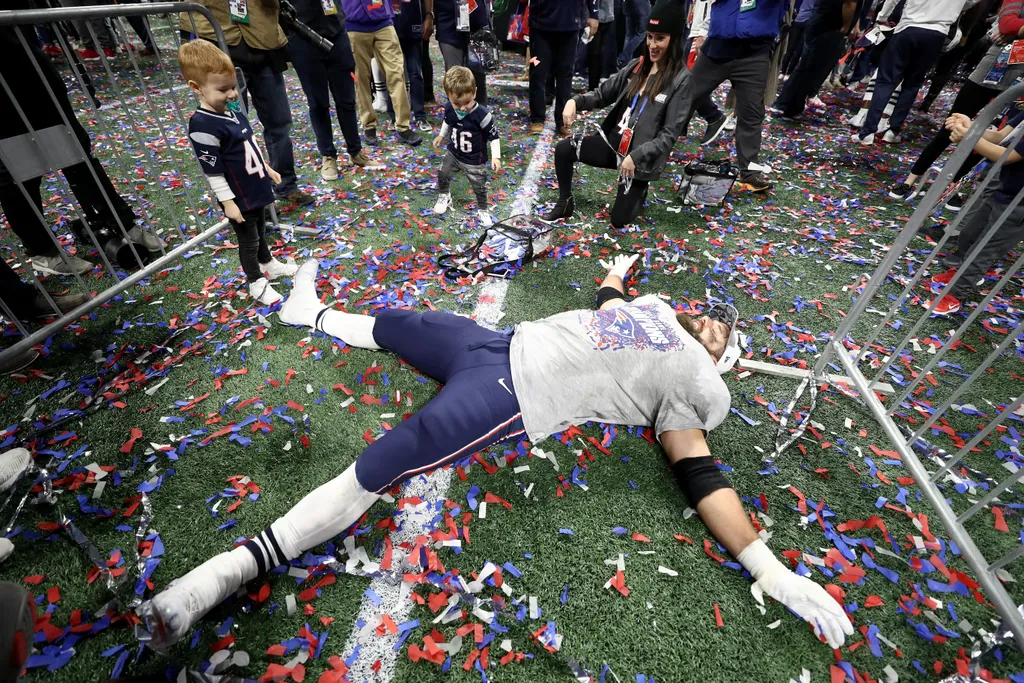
x=53 y=594
x=641 y=538
x=718 y=617
x=136 y=435
x=1000 y=522
x=873 y=601
x=35 y=579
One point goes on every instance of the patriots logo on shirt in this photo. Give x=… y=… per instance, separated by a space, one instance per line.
x=208 y=158
x=637 y=328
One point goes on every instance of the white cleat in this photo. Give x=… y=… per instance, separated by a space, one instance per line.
x=485 y=218
x=276 y=269
x=12 y=464
x=173 y=611
x=442 y=203
x=302 y=305
x=263 y=292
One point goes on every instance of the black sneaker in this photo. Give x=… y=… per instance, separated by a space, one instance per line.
x=901 y=191
x=714 y=129
x=953 y=260
x=754 y=181
x=563 y=209
x=410 y=137
x=955 y=203
x=370 y=136
x=933 y=232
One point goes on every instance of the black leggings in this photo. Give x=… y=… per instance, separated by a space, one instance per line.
x=594 y=151
x=252 y=243
x=971 y=99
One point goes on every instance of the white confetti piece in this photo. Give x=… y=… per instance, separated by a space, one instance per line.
x=240 y=658
x=666 y=570
x=98 y=491
x=890 y=674
x=483 y=510
x=534 y=610
x=775 y=624
x=289 y=602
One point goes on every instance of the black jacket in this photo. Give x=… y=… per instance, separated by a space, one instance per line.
x=659 y=125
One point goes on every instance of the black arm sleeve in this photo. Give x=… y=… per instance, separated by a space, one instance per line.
x=699 y=477
x=606 y=294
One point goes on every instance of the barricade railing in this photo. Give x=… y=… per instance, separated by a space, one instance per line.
x=871 y=350
x=138 y=109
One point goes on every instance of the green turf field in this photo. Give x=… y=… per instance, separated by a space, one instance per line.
x=791 y=262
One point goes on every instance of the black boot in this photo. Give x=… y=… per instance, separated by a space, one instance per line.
x=563 y=209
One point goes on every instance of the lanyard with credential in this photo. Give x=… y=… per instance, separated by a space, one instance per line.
x=625 y=129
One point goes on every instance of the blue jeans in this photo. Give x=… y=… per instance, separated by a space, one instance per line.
x=322 y=76
x=413 y=56
x=271 y=101
x=637 y=13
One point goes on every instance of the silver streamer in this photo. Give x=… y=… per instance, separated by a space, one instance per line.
x=982 y=650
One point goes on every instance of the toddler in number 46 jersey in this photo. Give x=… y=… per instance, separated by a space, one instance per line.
x=469 y=128
x=241 y=180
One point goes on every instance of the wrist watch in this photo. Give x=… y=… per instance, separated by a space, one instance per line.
x=428 y=14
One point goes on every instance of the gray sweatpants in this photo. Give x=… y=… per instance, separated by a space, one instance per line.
x=974 y=226
x=477 y=175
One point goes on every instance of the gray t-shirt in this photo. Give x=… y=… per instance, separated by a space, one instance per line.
x=632 y=365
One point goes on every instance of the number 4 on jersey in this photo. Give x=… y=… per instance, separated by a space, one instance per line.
x=253 y=161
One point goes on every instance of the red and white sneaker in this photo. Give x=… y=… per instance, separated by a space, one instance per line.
x=944 y=278
x=88 y=54
x=947 y=306
x=110 y=52
x=52 y=50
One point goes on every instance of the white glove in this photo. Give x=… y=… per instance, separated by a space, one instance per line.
x=798 y=593
x=620 y=265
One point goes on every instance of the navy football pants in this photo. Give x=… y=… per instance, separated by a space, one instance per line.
x=477 y=407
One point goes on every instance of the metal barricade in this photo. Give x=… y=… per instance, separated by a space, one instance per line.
x=138 y=106
x=881 y=339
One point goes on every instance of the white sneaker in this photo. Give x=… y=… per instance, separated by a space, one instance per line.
x=890 y=136
x=329 y=168
x=815 y=102
x=263 y=292
x=54 y=265
x=866 y=140
x=174 y=610
x=276 y=269
x=485 y=218
x=423 y=127
x=858 y=119
x=12 y=464
x=6 y=549
x=302 y=305
x=730 y=123
x=442 y=203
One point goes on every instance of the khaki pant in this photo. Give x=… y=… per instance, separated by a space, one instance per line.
x=383 y=45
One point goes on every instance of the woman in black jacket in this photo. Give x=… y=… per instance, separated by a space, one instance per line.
x=651 y=99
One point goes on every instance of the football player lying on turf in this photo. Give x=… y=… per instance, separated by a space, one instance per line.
x=636 y=363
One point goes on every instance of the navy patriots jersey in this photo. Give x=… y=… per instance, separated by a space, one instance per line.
x=470 y=135
x=224 y=146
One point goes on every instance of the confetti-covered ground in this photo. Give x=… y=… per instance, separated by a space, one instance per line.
x=236 y=417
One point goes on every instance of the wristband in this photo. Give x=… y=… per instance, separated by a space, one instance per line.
x=606 y=294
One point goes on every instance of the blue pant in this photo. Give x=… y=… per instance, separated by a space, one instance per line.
x=637 y=13
x=266 y=87
x=907 y=59
x=476 y=409
x=412 y=53
x=324 y=75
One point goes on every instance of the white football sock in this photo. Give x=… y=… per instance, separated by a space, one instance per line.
x=354 y=330
x=321 y=515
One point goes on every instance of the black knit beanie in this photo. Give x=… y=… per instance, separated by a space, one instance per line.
x=668 y=16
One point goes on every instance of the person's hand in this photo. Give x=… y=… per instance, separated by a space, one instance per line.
x=569 y=113
x=958 y=133
x=593 y=24
x=856 y=32
x=495 y=165
x=955 y=120
x=428 y=27
x=232 y=212
x=437 y=141
x=808 y=600
x=620 y=265
x=697 y=42
x=275 y=177
x=628 y=168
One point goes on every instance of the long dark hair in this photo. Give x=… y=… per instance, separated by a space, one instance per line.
x=671 y=64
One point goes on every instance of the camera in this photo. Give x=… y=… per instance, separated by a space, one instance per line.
x=288 y=18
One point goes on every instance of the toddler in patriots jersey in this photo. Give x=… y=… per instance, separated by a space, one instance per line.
x=469 y=129
x=241 y=180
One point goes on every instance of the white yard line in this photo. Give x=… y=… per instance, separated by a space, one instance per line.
x=394 y=592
